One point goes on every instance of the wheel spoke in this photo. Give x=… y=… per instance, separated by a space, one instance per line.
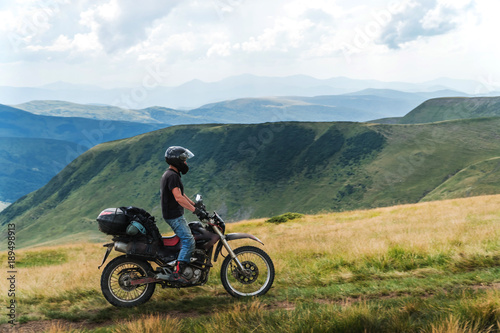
x=119 y=282
x=255 y=277
x=116 y=282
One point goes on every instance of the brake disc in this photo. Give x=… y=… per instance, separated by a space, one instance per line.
x=249 y=275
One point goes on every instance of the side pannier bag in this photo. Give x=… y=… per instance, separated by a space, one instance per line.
x=113 y=221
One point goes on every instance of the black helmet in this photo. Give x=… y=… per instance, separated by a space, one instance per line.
x=176 y=156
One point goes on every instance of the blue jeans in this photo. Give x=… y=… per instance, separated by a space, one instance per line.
x=181 y=229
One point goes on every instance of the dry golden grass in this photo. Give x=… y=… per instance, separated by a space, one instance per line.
x=61 y=328
x=460 y=225
x=436 y=226
x=454 y=325
x=458 y=228
x=52 y=281
x=150 y=324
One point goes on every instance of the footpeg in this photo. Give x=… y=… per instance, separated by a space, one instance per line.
x=164 y=275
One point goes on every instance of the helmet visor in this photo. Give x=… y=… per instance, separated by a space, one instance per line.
x=186 y=155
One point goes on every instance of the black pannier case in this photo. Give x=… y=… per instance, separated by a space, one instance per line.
x=113 y=221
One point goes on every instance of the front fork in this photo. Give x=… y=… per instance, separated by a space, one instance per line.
x=228 y=248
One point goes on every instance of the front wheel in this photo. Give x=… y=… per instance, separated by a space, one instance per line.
x=115 y=282
x=257 y=277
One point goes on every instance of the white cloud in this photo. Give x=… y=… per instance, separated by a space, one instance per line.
x=221 y=49
x=422 y=19
x=122 y=24
x=8 y=21
x=215 y=38
x=109 y=11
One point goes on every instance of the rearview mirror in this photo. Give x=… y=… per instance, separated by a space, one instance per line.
x=198 y=202
x=198 y=198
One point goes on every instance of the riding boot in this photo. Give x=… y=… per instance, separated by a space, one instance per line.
x=176 y=275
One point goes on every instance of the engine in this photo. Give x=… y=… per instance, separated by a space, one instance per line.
x=193 y=274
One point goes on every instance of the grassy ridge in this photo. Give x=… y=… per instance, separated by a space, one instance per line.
x=451 y=108
x=240 y=169
x=259 y=170
x=428 y=267
x=68 y=109
x=480 y=178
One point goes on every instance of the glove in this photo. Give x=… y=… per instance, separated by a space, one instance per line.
x=201 y=213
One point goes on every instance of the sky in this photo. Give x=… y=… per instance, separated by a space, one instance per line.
x=119 y=43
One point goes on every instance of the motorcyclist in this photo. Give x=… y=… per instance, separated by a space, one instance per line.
x=173 y=202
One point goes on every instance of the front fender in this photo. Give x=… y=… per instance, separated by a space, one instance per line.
x=233 y=236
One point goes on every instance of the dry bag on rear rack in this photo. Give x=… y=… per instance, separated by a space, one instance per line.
x=113 y=221
x=141 y=216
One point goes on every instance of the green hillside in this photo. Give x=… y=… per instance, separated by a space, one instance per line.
x=34 y=148
x=477 y=179
x=28 y=163
x=442 y=109
x=258 y=170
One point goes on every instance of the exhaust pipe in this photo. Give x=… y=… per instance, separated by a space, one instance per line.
x=121 y=247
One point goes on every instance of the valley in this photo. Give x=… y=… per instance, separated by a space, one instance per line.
x=258 y=170
x=34 y=148
x=248 y=169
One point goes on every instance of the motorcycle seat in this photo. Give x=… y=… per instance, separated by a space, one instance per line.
x=170 y=240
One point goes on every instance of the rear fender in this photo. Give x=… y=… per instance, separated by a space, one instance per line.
x=108 y=251
x=233 y=236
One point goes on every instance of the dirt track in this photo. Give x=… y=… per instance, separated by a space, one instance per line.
x=43 y=325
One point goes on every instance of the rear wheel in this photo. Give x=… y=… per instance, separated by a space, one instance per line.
x=115 y=282
x=256 y=278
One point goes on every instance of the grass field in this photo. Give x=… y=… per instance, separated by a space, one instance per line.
x=428 y=267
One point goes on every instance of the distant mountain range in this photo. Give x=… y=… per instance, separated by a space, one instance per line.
x=359 y=106
x=76 y=128
x=261 y=170
x=196 y=93
x=156 y=115
x=83 y=131
x=34 y=148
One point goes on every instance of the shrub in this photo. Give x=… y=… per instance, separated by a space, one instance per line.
x=284 y=217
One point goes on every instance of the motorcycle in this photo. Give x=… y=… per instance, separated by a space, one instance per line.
x=130 y=280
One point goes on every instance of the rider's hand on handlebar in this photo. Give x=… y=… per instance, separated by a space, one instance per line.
x=201 y=213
